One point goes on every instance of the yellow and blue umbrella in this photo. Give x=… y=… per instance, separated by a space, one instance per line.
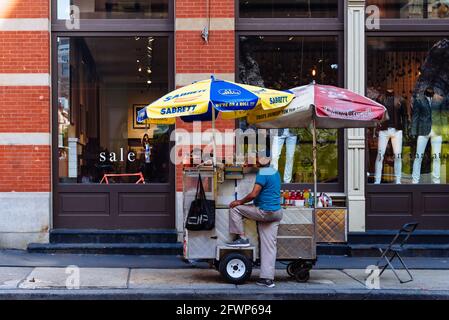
x=198 y=102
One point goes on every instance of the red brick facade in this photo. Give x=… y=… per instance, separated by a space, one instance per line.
x=24 y=9
x=24 y=52
x=34 y=103
x=193 y=55
x=198 y=9
x=24 y=109
x=25 y=168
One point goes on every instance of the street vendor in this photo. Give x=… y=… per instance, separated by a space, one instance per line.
x=267 y=211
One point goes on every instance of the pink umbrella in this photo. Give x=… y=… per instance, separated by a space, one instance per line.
x=329 y=107
x=322 y=107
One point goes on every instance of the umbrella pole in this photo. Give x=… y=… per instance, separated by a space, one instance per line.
x=214 y=146
x=314 y=156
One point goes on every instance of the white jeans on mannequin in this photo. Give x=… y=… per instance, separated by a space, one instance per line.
x=437 y=142
x=278 y=142
x=396 y=141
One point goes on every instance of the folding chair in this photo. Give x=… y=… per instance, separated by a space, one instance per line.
x=394 y=248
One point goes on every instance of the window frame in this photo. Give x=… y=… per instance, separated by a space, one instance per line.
x=397 y=30
x=290 y=24
x=410 y=25
x=119 y=25
x=106 y=28
x=54 y=99
x=337 y=187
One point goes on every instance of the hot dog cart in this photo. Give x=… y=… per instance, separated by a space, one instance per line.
x=296 y=236
x=312 y=106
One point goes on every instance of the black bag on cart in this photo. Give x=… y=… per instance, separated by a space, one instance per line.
x=202 y=211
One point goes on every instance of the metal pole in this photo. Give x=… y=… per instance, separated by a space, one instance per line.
x=213 y=137
x=214 y=156
x=314 y=155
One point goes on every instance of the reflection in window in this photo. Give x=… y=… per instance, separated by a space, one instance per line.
x=288 y=9
x=412 y=9
x=102 y=84
x=409 y=76
x=114 y=9
x=283 y=62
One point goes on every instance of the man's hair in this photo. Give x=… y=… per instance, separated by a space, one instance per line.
x=265 y=163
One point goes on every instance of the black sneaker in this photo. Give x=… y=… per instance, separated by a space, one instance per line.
x=266 y=283
x=239 y=243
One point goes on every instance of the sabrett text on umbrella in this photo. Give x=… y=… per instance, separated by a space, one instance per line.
x=276 y=100
x=173 y=110
x=168 y=98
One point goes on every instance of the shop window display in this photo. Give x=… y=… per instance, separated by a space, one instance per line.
x=410 y=78
x=412 y=9
x=102 y=84
x=284 y=62
x=114 y=9
x=288 y=8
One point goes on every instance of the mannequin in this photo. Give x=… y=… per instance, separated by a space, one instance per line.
x=428 y=123
x=391 y=130
x=290 y=138
x=147 y=152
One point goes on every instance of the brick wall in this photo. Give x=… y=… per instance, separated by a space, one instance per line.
x=24 y=8
x=194 y=56
x=198 y=9
x=24 y=109
x=24 y=105
x=25 y=168
x=24 y=52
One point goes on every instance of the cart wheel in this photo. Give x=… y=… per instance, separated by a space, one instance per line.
x=235 y=267
x=302 y=275
x=291 y=269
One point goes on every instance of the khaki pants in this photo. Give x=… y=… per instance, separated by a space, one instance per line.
x=267 y=224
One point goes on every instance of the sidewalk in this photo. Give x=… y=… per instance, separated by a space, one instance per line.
x=186 y=281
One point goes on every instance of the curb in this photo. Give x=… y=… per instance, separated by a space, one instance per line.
x=204 y=294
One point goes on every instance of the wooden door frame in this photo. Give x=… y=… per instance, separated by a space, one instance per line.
x=58 y=187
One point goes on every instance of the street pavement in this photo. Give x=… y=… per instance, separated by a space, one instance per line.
x=142 y=283
x=64 y=276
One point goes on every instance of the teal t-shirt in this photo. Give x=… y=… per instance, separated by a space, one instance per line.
x=269 y=198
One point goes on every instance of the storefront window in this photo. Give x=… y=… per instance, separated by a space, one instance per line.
x=114 y=9
x=102 y=83
x=409 y=76
x=288 y=9
x=284 y=62
x=412 y=9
